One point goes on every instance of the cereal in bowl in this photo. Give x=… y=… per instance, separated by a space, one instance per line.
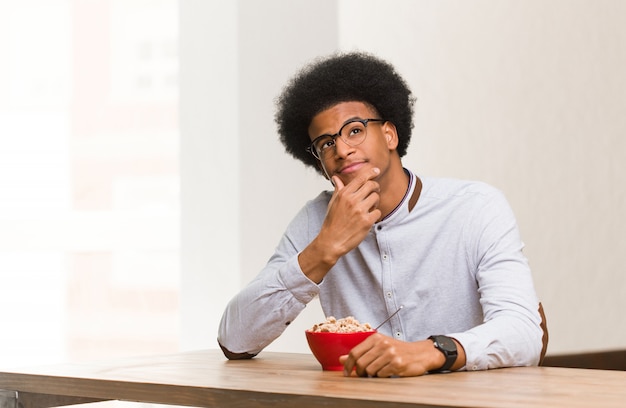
x=346 y=325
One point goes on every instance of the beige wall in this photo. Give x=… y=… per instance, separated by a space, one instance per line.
x=526 y=95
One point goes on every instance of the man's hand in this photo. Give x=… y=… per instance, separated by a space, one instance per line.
x=352 y=211
x=383 y=356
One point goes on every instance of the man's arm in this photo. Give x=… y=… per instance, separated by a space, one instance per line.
x=262 y=310
x=352 y=211
x=511 y=333
x=259 y=313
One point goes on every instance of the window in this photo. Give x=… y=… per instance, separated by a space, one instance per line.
x=89 y=190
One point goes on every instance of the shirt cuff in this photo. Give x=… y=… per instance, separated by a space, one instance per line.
x=295 y=281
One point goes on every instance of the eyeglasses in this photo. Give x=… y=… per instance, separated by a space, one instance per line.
x=352 y=133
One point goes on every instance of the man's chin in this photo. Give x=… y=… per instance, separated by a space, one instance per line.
x=348 y=178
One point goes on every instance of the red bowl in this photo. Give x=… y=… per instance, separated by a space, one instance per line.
x=327 y=347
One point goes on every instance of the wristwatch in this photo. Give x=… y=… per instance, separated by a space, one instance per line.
x=447 y=346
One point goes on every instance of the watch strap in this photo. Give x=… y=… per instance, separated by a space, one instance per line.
x=447 y=346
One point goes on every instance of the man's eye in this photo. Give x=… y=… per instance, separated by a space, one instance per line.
x=355 y=130
x=326 y=144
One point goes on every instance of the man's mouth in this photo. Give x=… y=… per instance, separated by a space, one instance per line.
x=351 y=167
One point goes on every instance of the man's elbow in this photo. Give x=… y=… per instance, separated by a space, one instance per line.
x=235 y=356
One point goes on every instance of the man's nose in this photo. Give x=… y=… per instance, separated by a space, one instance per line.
x=342 y=149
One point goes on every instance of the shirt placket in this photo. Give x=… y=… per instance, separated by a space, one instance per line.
x=389 y=294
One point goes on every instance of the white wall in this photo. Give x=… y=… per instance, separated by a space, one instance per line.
x=209 y=166
x=239 y=189
x=526 y=95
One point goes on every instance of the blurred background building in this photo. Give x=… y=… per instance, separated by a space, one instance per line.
x=89 y=190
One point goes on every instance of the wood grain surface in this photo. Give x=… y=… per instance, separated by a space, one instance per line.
x=207 y=379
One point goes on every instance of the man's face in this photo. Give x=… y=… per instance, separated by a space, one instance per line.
x=344 y=160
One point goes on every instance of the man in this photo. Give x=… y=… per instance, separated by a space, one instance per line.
x=447 y=252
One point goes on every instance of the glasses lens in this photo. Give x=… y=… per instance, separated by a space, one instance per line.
x=353 y=133
x=322 y=146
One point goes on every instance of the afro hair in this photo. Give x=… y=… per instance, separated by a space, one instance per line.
x=342 y=77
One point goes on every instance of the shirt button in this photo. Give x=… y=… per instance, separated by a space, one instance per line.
x=475 y=368
x=389 y=294
x=379 y=227
x=385 y=256
x=398 y=334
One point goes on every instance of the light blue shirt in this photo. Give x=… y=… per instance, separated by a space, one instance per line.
x=454 y=262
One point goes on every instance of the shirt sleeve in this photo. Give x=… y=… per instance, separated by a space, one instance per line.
x=263 y=309
x=511 y=334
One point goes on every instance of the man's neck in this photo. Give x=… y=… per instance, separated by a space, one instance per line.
x=393 y=191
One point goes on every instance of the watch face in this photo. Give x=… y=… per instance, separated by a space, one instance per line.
x=446 y=343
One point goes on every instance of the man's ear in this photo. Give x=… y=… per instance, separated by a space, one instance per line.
x=391 y=135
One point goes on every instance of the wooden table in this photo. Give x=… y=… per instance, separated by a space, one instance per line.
x=207 y=379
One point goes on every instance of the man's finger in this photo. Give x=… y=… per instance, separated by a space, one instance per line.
x=338 y=183
x=359 y=182
x=348 y=365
